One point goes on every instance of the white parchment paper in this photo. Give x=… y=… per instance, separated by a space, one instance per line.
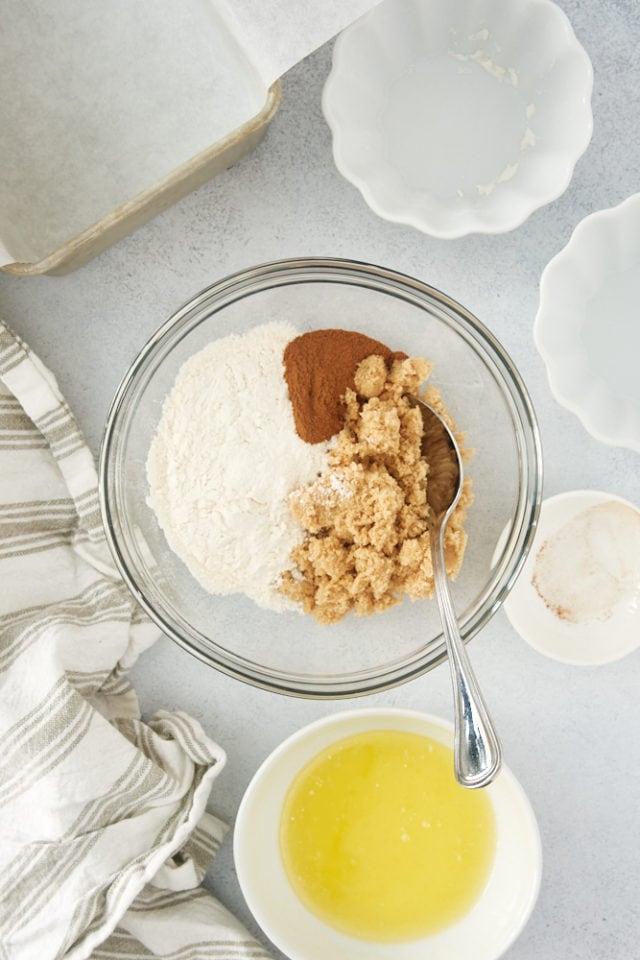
x=100 y=100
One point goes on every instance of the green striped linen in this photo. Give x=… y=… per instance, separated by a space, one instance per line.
x=104 y=833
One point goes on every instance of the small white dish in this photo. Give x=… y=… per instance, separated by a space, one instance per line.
x=587 y=328
x=484 y=933
x=459 y=117
x=577 y=599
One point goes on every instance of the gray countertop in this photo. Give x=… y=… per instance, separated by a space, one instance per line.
x=569 y=732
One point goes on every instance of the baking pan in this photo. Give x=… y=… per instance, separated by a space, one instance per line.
x=131 y=214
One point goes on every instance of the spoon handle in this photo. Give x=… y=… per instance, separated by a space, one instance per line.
x=477 y=750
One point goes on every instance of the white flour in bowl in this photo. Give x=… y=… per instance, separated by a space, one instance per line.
x=223 y=461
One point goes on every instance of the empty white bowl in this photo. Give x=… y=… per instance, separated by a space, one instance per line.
x=459 y=117
x=587 y=328
x=484 y=933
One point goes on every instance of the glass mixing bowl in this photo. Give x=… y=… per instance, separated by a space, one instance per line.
x=289 y=652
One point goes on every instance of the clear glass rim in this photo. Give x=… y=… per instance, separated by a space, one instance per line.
x=353 y=273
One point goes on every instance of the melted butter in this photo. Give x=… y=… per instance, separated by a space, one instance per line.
x=380 y=842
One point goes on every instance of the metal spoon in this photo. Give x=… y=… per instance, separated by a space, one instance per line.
x=477 y=750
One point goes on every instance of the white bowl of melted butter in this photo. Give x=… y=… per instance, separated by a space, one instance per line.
x=353 y=840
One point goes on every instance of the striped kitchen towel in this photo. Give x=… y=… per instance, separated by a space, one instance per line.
x=104 y=834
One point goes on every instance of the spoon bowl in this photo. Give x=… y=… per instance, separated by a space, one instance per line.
x=477 y=750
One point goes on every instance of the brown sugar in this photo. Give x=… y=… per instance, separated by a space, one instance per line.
x=366 y=518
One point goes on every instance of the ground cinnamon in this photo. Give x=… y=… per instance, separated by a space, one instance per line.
x=319 y=367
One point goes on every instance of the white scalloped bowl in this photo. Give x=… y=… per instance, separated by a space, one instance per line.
x=587 y=328
x=461 y=117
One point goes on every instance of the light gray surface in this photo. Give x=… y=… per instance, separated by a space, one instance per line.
x=569 y=733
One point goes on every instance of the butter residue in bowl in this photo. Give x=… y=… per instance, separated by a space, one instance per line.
x=590 y=566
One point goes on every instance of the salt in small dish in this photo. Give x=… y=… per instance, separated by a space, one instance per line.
x=586 y=328
x=461 y=117
x=485 y=932
x=577 y=599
